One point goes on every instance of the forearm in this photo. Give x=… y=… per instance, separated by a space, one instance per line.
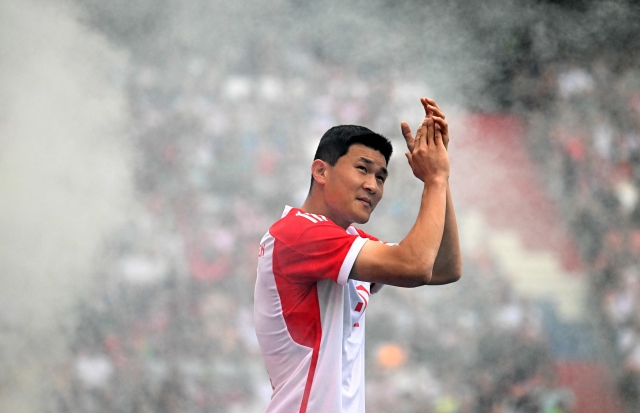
x=447 y=267
x=422 y=243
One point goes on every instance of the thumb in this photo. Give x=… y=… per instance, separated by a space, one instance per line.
x=410 y=159
x=406 y=130
x=407 y=134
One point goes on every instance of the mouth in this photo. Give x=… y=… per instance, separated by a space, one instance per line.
x=365 y=201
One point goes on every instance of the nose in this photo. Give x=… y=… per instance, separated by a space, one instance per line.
x=370 y=184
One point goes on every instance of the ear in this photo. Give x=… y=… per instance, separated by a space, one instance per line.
x=319 y=171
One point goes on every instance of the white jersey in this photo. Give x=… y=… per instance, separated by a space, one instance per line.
x=309 y=316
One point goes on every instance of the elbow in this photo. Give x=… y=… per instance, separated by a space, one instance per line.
x=457 y=272
x=447 y=276
x=453 y=274
x=426 y=278
x=424 y=272
x=423 y=275
x=416 y=274
x=419 y=279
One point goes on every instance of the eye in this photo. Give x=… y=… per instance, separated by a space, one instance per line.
x=362 y=168
x=381 y=178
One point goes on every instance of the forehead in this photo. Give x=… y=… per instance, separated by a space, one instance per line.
x=358 y=150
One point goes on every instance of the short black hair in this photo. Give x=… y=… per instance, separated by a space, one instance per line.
x=335 y=143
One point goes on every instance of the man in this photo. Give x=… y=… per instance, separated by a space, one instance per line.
x=316 y=271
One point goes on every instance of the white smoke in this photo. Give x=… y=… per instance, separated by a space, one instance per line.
x=65 y=181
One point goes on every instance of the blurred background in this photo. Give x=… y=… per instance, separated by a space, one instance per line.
x=147 y=145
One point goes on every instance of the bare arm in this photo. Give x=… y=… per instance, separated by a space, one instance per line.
x=413 y=261
x=448 y=265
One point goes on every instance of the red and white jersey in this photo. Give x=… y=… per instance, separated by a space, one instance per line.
x=309 y=317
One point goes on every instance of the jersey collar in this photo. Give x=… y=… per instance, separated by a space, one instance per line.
x=351 y=230
x=287 y=208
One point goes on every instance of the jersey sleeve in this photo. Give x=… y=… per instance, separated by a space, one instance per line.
x=374 y=287
x=311 y=251
x=330 y=250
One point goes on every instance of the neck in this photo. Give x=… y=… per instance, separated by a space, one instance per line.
x=315 y=204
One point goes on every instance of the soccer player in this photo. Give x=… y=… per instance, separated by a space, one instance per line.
x=316 y=272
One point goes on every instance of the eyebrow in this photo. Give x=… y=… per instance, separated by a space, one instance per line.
x=370 y=162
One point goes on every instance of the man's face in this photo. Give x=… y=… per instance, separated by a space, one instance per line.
x=355 y=184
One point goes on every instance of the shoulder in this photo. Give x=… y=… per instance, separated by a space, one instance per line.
x=295 y=223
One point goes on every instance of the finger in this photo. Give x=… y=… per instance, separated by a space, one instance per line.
x=408 y=136
x=444 y=126
x=437 y=138
x=430 y=132
x=431 y=102
x=435 y=110
x=425 y=105
x=421 y=136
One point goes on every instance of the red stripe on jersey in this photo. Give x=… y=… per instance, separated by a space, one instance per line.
x=312 y=372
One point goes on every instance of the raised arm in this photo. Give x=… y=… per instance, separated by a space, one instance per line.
x=419 y=258
x=448 y=265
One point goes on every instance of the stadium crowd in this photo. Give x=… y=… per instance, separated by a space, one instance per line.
x=585 y=130
x=223 y=147
x=169 y=328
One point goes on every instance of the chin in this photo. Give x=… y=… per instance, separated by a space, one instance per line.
x=362 y=219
